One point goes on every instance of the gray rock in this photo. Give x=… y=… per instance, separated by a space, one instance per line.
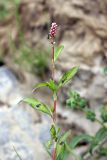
x=10 y=92
x=19 y=130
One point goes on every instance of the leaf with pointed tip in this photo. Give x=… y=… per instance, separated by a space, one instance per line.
x=100 y=135
x=36 y=104
x=58 y=52
x=47 y=149
x=45 y=84
x=60 y=147
x=51 y=85
x=48 y=144
x=67 y=76
x=103 y=112
x=53 y=132
x=80 y=138
x=64 y=136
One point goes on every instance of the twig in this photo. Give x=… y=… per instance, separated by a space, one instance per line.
x=17 y=153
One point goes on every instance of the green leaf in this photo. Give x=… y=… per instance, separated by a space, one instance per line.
x=80 y=138
x=75 y=101
x=82 y=103
x=67 y=76
x=105 y=70
x=47 y=149
x=103 y=151
x=58 y=52
x=53 y=132
x=60 y=147
x=48 y=144
x=51 y=85
x=103 y=111
x=40 y=85
x=90 y=114
x=72 y=103
x=64 y=136
x=100 y=135
x=36 y=104
x=61 y=152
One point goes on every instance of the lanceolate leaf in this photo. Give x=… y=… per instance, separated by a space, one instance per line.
x=64 y=136
x=67 y=76
x=101 y=134
x=48 y=144
x=58 y=52
x=103 y=112
x=60 y=147
x=34 y=103
x=76 y=140
x=61 y=152
x=53 y=131
x=51 y=85
x=40 y=85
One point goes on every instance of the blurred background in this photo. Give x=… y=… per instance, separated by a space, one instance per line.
x=25 y=60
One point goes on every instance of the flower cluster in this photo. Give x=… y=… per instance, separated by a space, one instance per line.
x=53 y=30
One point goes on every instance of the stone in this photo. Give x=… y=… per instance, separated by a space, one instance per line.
x=10 y=91
x=20 y=132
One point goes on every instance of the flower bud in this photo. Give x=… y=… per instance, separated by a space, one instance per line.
x=53 y=30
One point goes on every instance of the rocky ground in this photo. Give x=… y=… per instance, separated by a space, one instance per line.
x=21 y=126
x=25 y=129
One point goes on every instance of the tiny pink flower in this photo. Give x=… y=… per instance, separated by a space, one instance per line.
x=53 y=30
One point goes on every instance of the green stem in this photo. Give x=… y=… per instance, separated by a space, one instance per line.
x=17 y=153
x=100 y=122
x=97 y=120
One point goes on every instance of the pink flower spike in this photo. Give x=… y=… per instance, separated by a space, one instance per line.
x=53 y=30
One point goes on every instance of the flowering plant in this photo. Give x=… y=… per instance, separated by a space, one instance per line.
x=58 y=146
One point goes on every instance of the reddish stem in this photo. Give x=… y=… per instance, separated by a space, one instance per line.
x=54 y=111
x=54 y=105
x=54 y=154
x=53 y=64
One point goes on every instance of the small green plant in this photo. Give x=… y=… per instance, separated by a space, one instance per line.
x=96 y=141
x=58 y=146
x=75 y=100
